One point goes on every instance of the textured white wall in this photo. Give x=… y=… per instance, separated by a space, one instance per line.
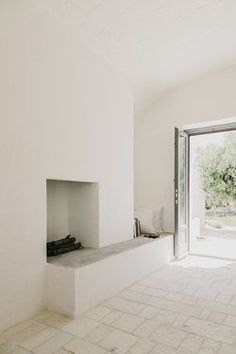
x=58 y=222
x=208 y=98
x=73 y=208
x=84 y=213
x=65 y=114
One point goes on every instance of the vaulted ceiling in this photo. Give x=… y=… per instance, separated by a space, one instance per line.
x=158 y=44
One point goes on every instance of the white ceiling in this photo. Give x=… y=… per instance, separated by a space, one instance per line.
x=159 y=44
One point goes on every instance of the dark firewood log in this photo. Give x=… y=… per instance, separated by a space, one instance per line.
x=55 y=251
x=68 y=240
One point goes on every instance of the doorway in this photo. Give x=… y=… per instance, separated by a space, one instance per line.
x=205 y=192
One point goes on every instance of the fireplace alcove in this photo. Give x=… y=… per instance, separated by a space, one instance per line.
x=79 y=280
x=72 y=208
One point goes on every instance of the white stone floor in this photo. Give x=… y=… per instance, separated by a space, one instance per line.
x=185 y=307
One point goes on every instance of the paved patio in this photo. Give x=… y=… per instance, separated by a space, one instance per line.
x=221 y=247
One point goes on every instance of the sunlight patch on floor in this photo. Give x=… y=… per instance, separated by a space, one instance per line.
x=215 y=247
x=203 y=262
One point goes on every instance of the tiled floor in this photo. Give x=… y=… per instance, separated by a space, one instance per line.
x=186 y=307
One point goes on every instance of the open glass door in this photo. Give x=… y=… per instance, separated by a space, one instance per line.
x=181 y=194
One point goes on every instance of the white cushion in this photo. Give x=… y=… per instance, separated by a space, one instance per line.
x=146 y=218
x=150 y=220
x=158 y=220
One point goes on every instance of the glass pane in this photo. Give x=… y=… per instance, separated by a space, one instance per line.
x=182 y=180
x=183 y=242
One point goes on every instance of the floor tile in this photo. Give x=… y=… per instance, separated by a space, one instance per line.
x=53 y=344
x=233 y=301
x=98 y=313
x=211 y=330
x=180 y=321
x=174 y=296
x=230 y=321
x=164 y=316
x=111 y=317
x=22 y=329
x=163 y=349
x=128 y=322
x=173 y=306
x=7 y=348
x=118 y=340
x=209 y=294
x=217 y=317
x=156 y=292
x=62 y=351
x=29 y=332
x=204 y=314
x=189 y=300
x=37 y=339
x=19 y=350
x=209 y=346
x=143 y=299
x=169 y=336
x=143 y=346
x=223 y=298
x=130 y=294
x=125 y=305
x=148 y=312
x=96 y=335
x=81 y=326
x=146 y=328
x=191 y=344
x=80 y=346
x=52 y=319
x=227 y=349
x=138 y=288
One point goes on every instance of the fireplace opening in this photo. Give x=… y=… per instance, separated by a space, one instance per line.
x=72 y=216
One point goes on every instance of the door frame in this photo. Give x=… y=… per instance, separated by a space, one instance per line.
x=178 y=133
x=208 y=129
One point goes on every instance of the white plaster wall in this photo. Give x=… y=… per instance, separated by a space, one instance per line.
x=205 y=99
x=60 y=289
x=65 y=114
x=84 y=213
x=58 y=225
x=73 y=208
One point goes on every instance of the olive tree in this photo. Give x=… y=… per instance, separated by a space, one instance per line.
x=218 y=172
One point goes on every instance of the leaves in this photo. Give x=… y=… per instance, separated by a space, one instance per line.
x=218 y=172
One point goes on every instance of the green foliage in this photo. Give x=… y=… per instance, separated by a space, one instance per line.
x=218 y=172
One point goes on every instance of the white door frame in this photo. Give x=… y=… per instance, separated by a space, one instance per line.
x=188 y=133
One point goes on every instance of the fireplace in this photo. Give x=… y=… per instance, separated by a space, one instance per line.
x=72 y=209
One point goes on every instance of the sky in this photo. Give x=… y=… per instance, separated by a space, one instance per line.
x=212 y=138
